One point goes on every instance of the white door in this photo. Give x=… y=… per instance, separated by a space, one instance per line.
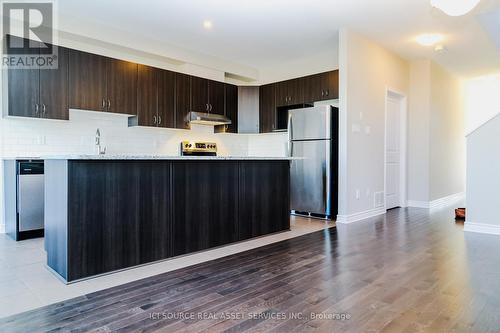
x=393 y=152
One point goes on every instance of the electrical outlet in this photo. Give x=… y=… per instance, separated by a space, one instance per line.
x=358 y=194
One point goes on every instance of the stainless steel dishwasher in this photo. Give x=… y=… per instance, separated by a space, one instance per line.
x=30 y=197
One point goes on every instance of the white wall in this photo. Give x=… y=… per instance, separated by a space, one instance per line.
x=483 y=178
x=482 y=100
x=419 y=131
x=447 y=135
x=248 y=109
x=436 y=141
x=366 y=71
x=483 y=161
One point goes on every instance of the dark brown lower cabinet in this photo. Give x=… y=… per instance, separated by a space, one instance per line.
x=119 y=215
x=264 y=198
x=206 y=205
x=106 y=215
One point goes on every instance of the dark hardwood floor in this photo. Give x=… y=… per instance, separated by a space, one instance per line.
x=408 y=271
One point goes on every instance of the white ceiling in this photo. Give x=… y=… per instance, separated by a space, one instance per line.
x=270 y=34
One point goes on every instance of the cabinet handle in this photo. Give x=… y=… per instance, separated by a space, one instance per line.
x=37 y=109
x=154 y=120
x=322 y=93
x=109 y=104
x=327 y=92
x=210 y=107
x=103 y=103
x=159 y=120
x=43 y=109
x=206 y=107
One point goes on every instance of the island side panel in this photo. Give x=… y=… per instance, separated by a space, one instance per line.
x=56 y=215
x=205 y=204
x=120 y=215
x=10 y=197
x=264 y=198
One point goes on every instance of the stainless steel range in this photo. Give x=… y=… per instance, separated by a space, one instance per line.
x=191 y=148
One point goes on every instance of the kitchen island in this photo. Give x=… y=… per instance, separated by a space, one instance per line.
x=109 y=213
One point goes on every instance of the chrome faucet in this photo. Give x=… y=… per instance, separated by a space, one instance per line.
x=99 y=150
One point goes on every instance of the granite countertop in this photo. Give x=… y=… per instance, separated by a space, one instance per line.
x=159 y=157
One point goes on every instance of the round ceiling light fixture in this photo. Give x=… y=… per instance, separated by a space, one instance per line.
x=455 y=7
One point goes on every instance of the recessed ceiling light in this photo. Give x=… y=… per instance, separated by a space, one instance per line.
x=455 y=7
x=207 y=24
x=429 y=39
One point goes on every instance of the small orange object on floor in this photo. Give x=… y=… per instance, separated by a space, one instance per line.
x=460 y=214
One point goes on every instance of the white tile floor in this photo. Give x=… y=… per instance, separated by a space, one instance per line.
x=25 y=282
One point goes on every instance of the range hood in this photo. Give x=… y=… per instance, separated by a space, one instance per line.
x=203 y=118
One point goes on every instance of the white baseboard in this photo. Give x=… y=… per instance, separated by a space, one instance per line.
x=344 y=219
x=417 y=204
x=438 y=203
x=482 y=228
x=2 y=228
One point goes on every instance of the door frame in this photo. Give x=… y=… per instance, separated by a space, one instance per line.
x=403 y=132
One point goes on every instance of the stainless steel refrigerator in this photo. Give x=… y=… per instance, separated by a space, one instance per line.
x=313 y=139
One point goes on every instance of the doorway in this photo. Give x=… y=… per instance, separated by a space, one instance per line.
x=395 y=150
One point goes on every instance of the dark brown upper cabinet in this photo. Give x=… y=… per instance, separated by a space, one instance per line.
x=290 y=92
x=155 y=97
x=182 y=99
x=199 y=94
x=39 y=93
x=166 y=99
x=309 y=89
x=320 y=87
x=87 y=81
x=54 y=88
x=207 y=95
x=216 y=97
x=232 y=107
x=147 y=95
x=231 y=110
x=331 y=90
x=102 y=83
x=121 y=86
x=267 y=108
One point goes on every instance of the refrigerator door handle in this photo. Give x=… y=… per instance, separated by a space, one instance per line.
x=290 y=127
